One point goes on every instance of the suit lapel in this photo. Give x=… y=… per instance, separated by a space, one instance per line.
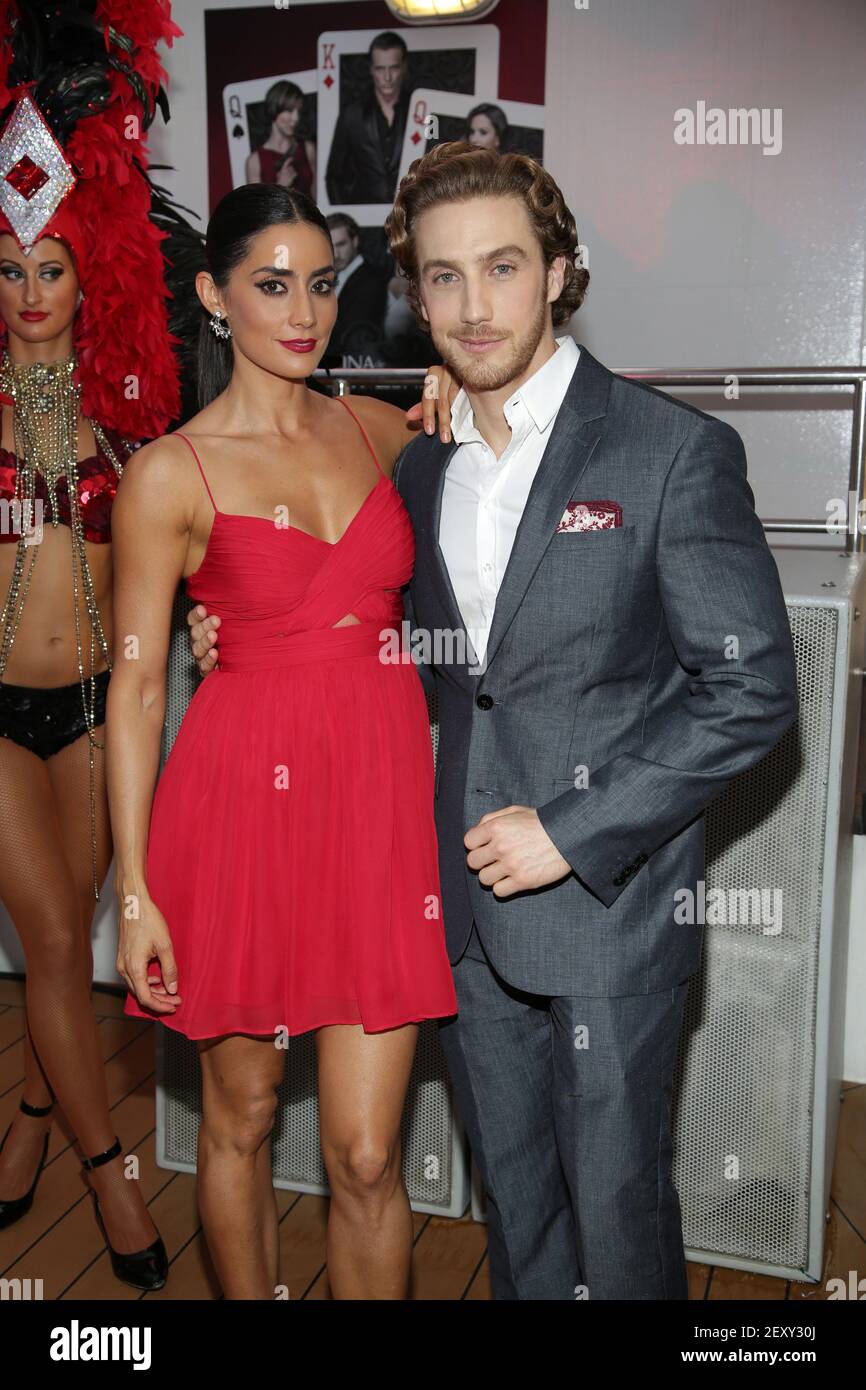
x=576 y=431
x=567 y=454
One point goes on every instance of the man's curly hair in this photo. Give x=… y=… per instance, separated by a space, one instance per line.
x=455 y=171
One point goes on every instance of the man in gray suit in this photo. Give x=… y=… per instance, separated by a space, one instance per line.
x=609 y=641
x=625 y=652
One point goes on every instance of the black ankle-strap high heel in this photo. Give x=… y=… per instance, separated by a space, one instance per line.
x=145 y=1269
x=13 y=1208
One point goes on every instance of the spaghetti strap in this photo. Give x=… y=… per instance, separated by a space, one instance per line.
x=200 y=469
x=363 y=431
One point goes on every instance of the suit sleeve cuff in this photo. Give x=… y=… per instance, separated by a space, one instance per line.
x=561 y=820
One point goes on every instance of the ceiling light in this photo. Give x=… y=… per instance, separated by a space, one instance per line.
x=429 y=11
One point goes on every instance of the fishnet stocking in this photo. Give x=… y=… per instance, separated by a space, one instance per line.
x=46 y=887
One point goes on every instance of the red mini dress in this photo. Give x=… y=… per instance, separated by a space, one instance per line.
x=292 y=847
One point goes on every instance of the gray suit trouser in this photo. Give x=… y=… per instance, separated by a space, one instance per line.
x=566 y=1102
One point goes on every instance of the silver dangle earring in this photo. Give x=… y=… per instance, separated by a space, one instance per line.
x=219 y=330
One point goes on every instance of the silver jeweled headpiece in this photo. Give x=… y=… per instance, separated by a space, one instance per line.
x=35 y=175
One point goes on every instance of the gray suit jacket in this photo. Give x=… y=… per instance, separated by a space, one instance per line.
x=609 y=650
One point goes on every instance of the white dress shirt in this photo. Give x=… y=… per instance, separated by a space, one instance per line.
x=484 y=496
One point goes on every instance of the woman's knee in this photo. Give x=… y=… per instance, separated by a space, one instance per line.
x=363 y=1164
x=238 y=1118
x=52 y=939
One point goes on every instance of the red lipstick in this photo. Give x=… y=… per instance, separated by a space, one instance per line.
x=32 y=315
x=298 y=344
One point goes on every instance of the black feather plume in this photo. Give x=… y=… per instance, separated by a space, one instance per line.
x=59 y=45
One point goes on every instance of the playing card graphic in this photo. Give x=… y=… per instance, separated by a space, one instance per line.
x=506 y=126
x=271 y=129
x=364 y=97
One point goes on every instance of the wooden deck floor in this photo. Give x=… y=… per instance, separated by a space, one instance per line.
x=59 y=1242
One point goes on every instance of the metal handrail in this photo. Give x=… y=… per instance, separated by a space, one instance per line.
x=701 y=376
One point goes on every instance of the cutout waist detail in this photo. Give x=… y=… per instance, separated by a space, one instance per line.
x=318 y=644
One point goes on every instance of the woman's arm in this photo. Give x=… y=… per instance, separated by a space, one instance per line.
x=151 y=520
x=253 y=167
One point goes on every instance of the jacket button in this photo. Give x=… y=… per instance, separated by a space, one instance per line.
x=484 y=702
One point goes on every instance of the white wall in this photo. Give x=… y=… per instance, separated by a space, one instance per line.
x=721 y=255
x=699 y=255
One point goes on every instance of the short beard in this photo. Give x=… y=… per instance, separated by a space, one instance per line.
x=479 y=375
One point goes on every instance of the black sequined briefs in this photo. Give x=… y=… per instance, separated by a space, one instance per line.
x=47 y=718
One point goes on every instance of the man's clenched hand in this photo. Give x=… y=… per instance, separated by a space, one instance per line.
x=513 y=851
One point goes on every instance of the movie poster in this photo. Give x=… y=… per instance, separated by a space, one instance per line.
x=337 y=101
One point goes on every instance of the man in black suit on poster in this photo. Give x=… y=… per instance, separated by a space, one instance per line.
x=368 y=137
x=361 y=290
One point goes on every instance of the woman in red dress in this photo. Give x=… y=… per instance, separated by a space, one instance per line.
x=283 y=878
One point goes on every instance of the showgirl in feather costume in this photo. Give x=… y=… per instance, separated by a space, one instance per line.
x=89 y=370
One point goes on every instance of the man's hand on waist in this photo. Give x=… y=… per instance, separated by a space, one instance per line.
x=202 y=638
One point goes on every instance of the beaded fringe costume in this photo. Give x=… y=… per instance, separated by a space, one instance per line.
x=80 y=81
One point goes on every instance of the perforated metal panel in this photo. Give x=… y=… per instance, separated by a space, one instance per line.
x=746 y=1063
x=435 y=1162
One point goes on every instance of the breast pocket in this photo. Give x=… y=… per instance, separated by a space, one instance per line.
x=586 y=542
x=589 y=563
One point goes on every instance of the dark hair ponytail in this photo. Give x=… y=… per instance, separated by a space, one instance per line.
x=235 y=220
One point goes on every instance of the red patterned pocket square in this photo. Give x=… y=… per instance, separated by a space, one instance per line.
x=590 y=516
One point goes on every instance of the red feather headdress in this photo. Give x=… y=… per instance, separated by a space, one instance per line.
x=75 y=103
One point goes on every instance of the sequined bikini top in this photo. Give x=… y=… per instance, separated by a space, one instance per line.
x=97 y=485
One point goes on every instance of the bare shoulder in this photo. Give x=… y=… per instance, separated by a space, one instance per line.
x=387 y=426
x=158 y=482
